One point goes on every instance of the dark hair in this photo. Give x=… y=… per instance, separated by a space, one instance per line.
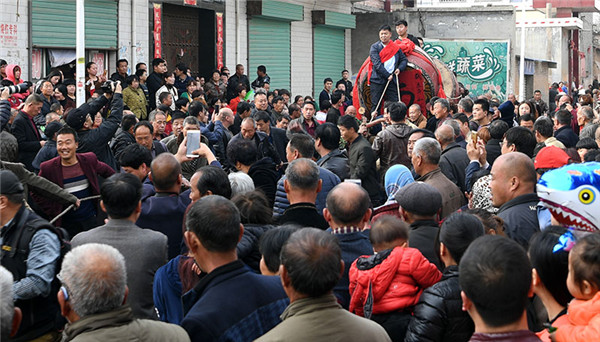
x=121 y=193
x=328 y=79
x=263 y=116
x=243 y=107
x=587 y=143
x=325 y=105
x=388 y=228
x=122 y=60
x=157 y=61
x=458 y=231
x=262 y=69
x=401 y=22
x=181 y=67
x=444 y=103
x=329 y=134
x=181 y=102
x=385 y=27
x=591 y=155
x=143 y=124
x=526 y=117
x=397 y=111
x=498 y=129
x=163 y=96
x=196 y=108
x=254 y=207
x=522 y=138
x=336 y=97
x=68 y=130
x=543 y=126
x=298 y=97
x=585 y=261
x=243 y=151
x=347 y=211
x=485 y=104
x=426 y=133
x=304 y=144
x=271 y=243
x=551 y=266
x=140 y=72
x=285 y=116
x=309 y=103
x=462 y=117
x=215 y=221
x=313 y=261
x=132 y=78
x=134 y=156
x=137 y=66
x=128 y=121
x=348 y=122
x=495 y=275
x=489 y=220
x=213 y=178
x=284 y=91
x=55 y=106
x=563 y=117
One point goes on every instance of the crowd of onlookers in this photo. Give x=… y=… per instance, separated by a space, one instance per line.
x=289 y=219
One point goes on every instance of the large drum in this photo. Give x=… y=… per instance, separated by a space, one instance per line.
x=423 y=79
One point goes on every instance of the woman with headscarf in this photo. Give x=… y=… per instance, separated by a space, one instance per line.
x=395 y=178
x=62 y=95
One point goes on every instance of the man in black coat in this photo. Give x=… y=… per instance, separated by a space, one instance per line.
x=275 y=136
x=454 y=159
x=96 y=140
x=27 y=134
x=361 y=158
x=563 y=132
x=155 y=80
x=237 y=78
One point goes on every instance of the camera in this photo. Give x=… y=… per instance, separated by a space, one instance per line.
x=108 y=87
x=19 y=88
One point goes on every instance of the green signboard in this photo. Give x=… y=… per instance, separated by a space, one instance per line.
x=481 y=66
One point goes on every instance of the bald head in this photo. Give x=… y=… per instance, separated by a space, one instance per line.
x=351 y=110
x=444 y=134
x=348 y=203
x=226 y=111
x=165 y=172
x=517 y=164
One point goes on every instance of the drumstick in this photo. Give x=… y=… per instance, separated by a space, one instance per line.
x=381 y=98
x=398 y=87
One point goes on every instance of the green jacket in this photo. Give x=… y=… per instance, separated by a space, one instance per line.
x=119 y=325
x=323 y=319
x=135 y=99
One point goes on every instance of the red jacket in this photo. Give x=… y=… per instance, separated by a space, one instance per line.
x=52 y=170
x=584 y=321
x=397 y=278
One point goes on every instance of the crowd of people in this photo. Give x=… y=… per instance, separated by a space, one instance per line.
x=290 y=220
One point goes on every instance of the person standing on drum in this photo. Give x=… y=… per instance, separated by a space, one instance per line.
x=388 y=60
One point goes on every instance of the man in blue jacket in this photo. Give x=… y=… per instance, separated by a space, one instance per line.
x=388 y=60
x=230 y=300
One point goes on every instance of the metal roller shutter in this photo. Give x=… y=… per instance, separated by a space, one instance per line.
x=269 y=45
x=53 y=23
x=329 y=55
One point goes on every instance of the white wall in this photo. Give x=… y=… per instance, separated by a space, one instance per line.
x=15 y=52
x=139 y=50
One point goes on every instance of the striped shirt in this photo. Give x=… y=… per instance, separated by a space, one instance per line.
x=76 y=183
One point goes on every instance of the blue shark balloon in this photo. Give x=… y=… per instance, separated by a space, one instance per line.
x=572 y=194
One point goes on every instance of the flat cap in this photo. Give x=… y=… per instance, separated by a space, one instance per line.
x=9 y=183
x=419 y=198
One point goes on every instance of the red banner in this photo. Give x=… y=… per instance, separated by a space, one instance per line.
x=219 y=40
x=189 y=2
x=36 y=64
x=157 y=31
x=411 y=88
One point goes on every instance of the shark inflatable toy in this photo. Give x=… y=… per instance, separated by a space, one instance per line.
x=572 y=194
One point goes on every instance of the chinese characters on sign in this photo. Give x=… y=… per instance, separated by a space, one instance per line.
x=157 y=31
x=219 y=40
x=482 y=67
x=8 y=35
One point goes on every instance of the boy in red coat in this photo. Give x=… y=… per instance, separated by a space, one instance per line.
x=386 y=286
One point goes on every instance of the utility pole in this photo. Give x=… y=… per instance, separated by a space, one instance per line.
x=80 y=52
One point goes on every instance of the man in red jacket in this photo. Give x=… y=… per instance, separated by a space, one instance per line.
x=78 y=174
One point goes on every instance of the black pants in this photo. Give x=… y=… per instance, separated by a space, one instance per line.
x=391 y=94
x=394 y=323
